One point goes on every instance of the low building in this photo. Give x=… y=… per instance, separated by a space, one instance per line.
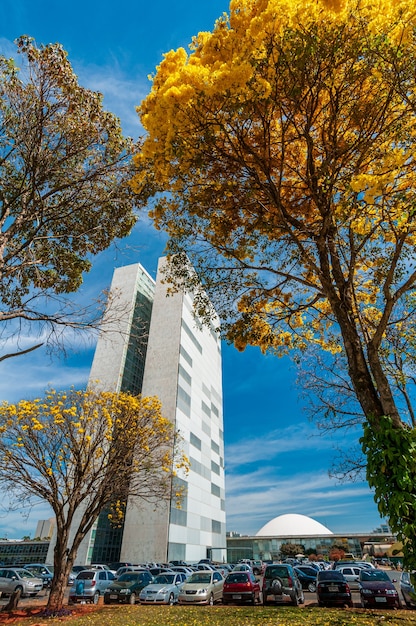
x=23 y=551
x=298 y=530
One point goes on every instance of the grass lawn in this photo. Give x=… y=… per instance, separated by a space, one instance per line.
x=225 y=616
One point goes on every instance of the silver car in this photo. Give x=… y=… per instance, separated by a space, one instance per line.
x=164 y=589
x=89 y=585
x=15 y=578
x=203 y=587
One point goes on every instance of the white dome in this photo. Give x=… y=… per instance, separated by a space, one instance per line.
x=293 y=525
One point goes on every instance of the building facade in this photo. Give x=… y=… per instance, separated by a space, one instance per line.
x=183 y=368
x=158 y=348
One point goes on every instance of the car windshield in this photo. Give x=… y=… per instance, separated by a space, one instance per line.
x=373 y=575
x=164 y=579
x=239 y=577
x=200 y=577
x=129 y=577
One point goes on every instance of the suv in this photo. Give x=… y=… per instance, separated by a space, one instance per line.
x=281 y=584
x=89 y=585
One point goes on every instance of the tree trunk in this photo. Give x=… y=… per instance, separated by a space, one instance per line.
x=13 y=601
x=62 y=568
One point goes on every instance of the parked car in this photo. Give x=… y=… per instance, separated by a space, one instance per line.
x=164 y=589
x=351 y=574
x=332 y=589
x=14 y=578
x=241 y=587
x=242 y=567
x=307 y=577
x=202 y=587
x=129 y=568
x=360 y=564
x=281 y=584
x=89 y=585
x=127 y=587
x=407 y=588
x=377 y=590
x=155 y=571
x=41 y=570
x=115 y=566
x=101 y=566
x=79 y=568
x=257 y=567
x=182 y=568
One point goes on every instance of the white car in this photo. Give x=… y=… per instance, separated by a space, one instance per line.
x=351 y=575
x=164 y=589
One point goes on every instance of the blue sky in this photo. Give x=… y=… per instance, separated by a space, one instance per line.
x=276 y=461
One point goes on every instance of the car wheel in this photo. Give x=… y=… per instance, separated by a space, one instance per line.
x=19 y=588
x=132 y=599
x=171 y=599
x=312 y=587
x=211 y=600
x=95 y=597
x=107 y=601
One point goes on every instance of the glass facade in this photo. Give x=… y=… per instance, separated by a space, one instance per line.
x=106 y=539
x=23 y=552
x=268 y=548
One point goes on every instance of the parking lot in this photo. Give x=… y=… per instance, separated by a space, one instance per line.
x=310 y=598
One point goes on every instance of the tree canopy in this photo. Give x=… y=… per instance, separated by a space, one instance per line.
x=279 y=158
x=64 y=167
x=80 y=451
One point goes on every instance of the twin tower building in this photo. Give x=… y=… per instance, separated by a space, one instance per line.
x=158 y=348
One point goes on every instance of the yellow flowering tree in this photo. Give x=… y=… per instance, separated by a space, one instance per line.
x=78 y=451
x=279 y=158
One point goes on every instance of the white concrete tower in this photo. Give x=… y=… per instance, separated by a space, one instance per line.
x=183 y=368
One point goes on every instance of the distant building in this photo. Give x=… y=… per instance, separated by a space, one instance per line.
x=45 y=528
x=13 y=552
x=159 y=349
x=298 y=530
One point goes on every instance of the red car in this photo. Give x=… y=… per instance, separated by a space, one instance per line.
x=377 y=590
x=241 y=587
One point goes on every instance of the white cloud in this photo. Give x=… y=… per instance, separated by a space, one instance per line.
x=28 y=376
x=258 y=486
